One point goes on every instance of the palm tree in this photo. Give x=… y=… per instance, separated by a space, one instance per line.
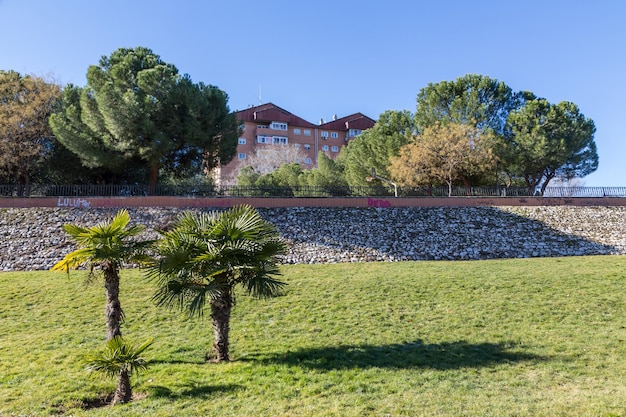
x=106 y=246
x=119 y=359
x=205 y=255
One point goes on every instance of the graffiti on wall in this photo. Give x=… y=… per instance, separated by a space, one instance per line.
x=73 y=202
x=374 y=202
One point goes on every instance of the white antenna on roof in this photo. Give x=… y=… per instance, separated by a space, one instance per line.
x=260 y=100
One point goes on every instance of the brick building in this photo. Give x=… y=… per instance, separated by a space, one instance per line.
x=267 y=126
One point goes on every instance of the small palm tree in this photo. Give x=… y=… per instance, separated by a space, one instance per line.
x=106 y=247
x=120 y=359
x=205 y=255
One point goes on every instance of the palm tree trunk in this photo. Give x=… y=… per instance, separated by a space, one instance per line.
x=113 y=310
x=220 y=316
x=123 y=393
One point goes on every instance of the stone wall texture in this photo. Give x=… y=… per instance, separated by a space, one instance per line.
x=33 y=239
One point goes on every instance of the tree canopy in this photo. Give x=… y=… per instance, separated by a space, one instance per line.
x=537 y=141
x=472 y=99
x=444 y=153
x=326 y=177
x=26 y=140
x=551 y=140
x=329 y=173
x=138 y=112
x=373 y=148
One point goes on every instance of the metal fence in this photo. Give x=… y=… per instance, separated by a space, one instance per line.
x=108 y=190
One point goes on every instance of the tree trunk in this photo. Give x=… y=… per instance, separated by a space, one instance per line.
x=532 y=182
x=549 y=177
x=123 y=393
x=220 y=316
x=468 y=188
x=23 y=185
x=154 y=178
x=113 y=310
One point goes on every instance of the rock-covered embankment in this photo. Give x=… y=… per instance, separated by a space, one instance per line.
x=32 y=239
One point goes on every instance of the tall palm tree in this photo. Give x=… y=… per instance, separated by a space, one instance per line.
x=105 y=248
x=119 y=359
x=205 y=255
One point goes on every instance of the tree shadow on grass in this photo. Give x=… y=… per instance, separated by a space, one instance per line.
x=442 y=356
x=200 y=391
x=96 y=402
x=199 y=361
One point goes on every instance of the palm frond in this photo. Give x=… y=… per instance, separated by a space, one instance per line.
x=259 y=281
x=245 y=223
x=172 y=293
x=110 y=241
x=185 y=293
x=272 y=248
x=204 y=254
x=73 y=230
x=118 y=356
x=74 y=259
x=198 y=301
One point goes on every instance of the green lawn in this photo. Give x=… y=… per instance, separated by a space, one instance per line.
x=526 y=337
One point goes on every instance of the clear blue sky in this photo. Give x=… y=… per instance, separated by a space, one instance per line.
x=319 y=58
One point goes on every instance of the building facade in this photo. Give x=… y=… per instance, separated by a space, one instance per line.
x=268 y=131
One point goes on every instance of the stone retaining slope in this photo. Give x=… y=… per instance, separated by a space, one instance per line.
x=32 y=239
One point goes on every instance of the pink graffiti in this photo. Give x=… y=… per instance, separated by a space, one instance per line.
x=373 y=202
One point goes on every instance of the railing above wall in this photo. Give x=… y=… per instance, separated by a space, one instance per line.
x=108 y=190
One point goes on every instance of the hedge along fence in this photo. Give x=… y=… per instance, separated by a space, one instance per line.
x=205 y=190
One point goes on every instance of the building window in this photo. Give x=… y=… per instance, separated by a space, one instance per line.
x=307 y=146
x=242 y=127
x=297 y=145
x=262 y=126
x=263 y=139
x=335 y=148
x=307 y=132
x=296 y=131
x=242 y=141
x=280 y=140
x=334 y=135
x=325 y=148
x=324 y=135
x=354 y=132
x=242 y=156
x=307 y=161
x=278 y=126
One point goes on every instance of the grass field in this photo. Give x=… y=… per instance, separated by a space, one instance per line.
x=525 y=337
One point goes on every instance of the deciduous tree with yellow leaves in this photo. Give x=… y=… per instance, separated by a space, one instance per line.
x=444 y=153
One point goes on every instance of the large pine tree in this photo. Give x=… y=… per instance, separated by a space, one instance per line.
x=138 y=111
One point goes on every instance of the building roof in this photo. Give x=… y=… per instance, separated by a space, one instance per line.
x=354 y=121
x=269 y=112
